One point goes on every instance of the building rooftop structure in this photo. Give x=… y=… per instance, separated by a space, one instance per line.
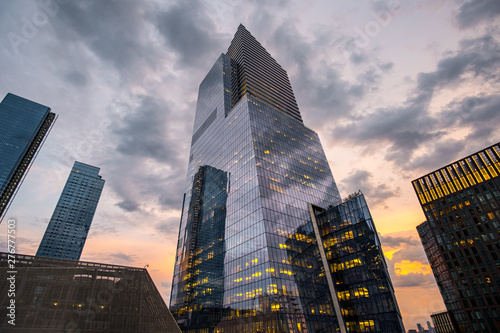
x=59 y=295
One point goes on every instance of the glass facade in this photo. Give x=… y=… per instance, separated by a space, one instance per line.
x=253 y=169
x=69 y=226
x=250 y=68
x=355 y=259
x=23 y=127
x=461 y=202
x=58 y=295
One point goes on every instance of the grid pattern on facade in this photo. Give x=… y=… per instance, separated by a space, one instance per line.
x=274 y=167
x=443 y=323
x=460 y=175
x=70 y=223
x=201 y=286
x=255 y=71
x=309 y=274
x=58 y=295
x=356 y=262
x=23 y=127
x=461 y=241
x=272 y=171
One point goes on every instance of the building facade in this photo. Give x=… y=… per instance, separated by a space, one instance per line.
x=357 y=293
x=352 y=253
x=461 y=237
x=253 y=169
x=443 y=323
x=23 y=127
x=59 y=295
x=69 y=225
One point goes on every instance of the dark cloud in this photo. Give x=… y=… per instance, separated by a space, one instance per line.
x=323 y=94
x=128 y=205
x=397 y=241
x=123 y=257
x=374 y=193
x=169 y=226
x=114 y=30
x=414 y=280
x=411 y=126
x=479 y=110
x=143 y=132
x=77 y=78
x=189 y=30
x=103 y=224
x=473 y=12
x=439 y=154
x=170 y=196
x=145 y=140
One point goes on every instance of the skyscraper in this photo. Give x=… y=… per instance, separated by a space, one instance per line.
x=70 y=223
x=461 y=237
x=23 y=127
x=253 y=169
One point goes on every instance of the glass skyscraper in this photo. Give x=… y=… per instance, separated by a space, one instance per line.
x=461 y=203
x=359 y=284
x=23 y=127
x=70 y=223
x=253 y=169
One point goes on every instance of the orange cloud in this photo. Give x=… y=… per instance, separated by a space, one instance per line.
x=406 y=267
x=389 y=254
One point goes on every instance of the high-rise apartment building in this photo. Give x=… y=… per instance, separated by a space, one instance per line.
x=256 y=178
x=23 y=127
x=461 y=202
x=70 y=223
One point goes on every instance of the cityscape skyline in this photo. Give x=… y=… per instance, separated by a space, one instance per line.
x=361 y=98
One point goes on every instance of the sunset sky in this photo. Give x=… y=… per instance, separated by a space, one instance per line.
x=395 y=89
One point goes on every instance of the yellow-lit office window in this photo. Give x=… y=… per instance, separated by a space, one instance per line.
x=344 y=295
x=433 y=194
x=484 y=173
x=471 y=179
x=492 y=171
x=272 y=289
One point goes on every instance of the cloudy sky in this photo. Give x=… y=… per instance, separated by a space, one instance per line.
x=395 y=89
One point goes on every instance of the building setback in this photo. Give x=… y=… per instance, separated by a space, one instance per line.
x=254 y=168
x=23 y=127
x=59 y=295
x=461 y=202
x=69 y=226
